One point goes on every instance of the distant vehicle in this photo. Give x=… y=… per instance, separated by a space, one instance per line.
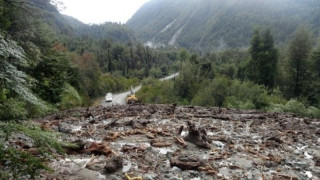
x=109 y=97
x=132 y=99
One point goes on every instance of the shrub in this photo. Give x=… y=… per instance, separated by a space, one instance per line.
x=12 y=109
x=248 y=91
x=203 y=98
x=313 y=112
x=15 y=163
x=275 y=108
x=35 y=110
x=18 y=163
x=296 y=107
x=232 y=93
x=233 y=102
x=154 y=91
x=70 y=98
x=110 y=83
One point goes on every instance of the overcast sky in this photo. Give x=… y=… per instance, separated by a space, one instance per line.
x=99 y=11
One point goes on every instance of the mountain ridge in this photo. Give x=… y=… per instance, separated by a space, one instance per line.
x=213 y=24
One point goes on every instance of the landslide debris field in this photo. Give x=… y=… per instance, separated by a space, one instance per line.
x=173 y=142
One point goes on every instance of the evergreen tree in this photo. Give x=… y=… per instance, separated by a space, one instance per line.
x=183 y=56
x=262 y=67
x=298 y=63
x=316 y=62
x=51 y=77
x=314 y=97
x=268 y=61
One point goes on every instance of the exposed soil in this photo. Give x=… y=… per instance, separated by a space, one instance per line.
x=174 y=142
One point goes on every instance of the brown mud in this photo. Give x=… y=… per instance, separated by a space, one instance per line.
x=173 y=142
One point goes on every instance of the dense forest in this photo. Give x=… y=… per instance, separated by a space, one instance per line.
x=208 y=25
x=50 y=61
x=262 y=77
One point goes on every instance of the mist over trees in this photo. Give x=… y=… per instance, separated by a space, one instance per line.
x=209 y=25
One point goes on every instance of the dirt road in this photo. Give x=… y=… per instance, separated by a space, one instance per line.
x=120 y=98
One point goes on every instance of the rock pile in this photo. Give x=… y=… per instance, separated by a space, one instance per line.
x=175 y=142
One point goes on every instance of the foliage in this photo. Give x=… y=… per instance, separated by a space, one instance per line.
x=13 y=109
x=113 y=31
x=233 y=102
x=232 y=93
x=16 y=163
x=154 y=91
x=51 y=61
x=70 y=97
x=219 y=25
x=51 y=76
x=112 y=83
x=296 y=107
x=12 y=57
x=43 y=139
x=298 y=65
x=262 y=67
x=314 y=91
x=185 y=85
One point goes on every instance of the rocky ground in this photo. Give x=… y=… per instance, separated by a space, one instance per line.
x=172 y=142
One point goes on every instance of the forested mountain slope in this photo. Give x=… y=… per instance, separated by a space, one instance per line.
x=217 y=24
x=116 y=32
x=49 y=61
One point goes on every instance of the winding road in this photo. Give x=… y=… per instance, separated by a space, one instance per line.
x=120 y=98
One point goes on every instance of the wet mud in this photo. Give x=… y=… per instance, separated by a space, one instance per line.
x=174 y=142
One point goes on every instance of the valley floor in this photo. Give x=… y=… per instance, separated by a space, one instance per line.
x=174 y=142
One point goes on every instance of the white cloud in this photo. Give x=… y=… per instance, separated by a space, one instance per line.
x=99 y=11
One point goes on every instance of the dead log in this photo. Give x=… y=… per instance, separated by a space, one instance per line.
x=197 y=136
x=159 y=143
x=186 y=164
x=180 y=141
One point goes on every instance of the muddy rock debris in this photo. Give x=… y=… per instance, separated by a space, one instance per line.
x=141 y=141
x=198 y=136
x=113 y=164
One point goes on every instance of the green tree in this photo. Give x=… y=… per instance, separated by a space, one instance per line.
x=316 y=62
x=51 y=76
x=262 y=67
x=7 y=11
x=268 y=61
x=183 y=56
x=299 y=64
x=314 y=93
x=218 y=90
x=12 y=59
x=186 y=84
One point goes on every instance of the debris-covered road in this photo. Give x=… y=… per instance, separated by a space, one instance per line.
x=173 y=142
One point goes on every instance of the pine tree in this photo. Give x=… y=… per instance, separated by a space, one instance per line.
x=316 y=62
x=262 y=67
x=314 y=95
x=268 y=61
x=298 y=63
